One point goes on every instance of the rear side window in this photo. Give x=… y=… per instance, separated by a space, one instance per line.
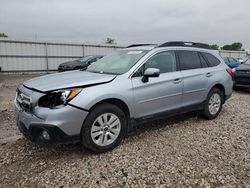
x=203 y=61
x=189 y=60
x=212 y=60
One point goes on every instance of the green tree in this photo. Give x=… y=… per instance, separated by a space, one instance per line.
x=3 y=35
x=109 y=41
x=236 y=46
x=215 y=46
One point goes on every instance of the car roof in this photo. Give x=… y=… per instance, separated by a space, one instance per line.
x=171 y=44
x=146 y=47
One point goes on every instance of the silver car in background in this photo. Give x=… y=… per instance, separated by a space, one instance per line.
x=139 y=83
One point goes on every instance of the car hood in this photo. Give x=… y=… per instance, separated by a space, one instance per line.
x=243 y=67
x=69 y=79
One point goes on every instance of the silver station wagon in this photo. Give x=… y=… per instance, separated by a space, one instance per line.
x=100 y=105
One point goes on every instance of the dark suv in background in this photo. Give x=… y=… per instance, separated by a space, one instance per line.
x=241 y=76
x=81 y=63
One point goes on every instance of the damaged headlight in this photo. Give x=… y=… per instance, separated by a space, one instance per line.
x=57 y=98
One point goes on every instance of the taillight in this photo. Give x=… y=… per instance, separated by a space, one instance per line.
x=230 y=71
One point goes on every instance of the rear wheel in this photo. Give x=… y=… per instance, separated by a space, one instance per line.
x=213 y=104
x=104 y=128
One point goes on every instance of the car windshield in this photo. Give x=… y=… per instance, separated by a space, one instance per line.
x=225 y=59
x=117 y=62
x=247 y=61
x=85 y=58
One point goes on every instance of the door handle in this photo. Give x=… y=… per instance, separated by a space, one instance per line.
x=177 y=81
x=209 y=74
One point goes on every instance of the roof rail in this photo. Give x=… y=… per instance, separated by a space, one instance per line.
x=185 y=44
x=135 y=45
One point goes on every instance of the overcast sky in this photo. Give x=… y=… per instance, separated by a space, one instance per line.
x=128 y=21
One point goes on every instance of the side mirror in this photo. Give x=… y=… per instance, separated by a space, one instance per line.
x=150 y=72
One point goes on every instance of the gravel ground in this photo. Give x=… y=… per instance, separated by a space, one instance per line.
x=179 y=152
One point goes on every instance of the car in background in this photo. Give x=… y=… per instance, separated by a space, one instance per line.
x=241 y=75
x=231 y=62
x=240 y=60
x=81 y=63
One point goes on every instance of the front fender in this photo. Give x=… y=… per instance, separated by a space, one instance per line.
x=113 y=90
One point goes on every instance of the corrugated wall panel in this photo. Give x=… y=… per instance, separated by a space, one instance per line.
x=224 y=54
x=94 y=50
x=21 y=49
x=17 y=64
x=64 y=50
x=31 y=55
x=2 y=49
x=235 y=54
x=3 y=63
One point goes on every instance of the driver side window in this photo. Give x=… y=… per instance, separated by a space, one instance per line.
x=165 y=61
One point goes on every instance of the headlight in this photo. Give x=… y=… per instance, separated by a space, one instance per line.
x=57 y=98
x=67 y=95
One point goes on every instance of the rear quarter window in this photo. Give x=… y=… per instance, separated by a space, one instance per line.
x=211 y=59
x=203 y=61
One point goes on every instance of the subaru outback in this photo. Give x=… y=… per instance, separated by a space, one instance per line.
x=139 y=83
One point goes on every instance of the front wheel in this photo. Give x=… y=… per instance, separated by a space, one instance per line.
x=104 y=128
x=213 y=104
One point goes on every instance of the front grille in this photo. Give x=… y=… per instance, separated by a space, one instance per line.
x=23 y=100
x=243 y=71
x=243 y=79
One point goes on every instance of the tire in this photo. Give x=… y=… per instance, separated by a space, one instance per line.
x=213 y=112
x=95 y=136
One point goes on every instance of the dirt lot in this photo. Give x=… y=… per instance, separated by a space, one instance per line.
x=181 y=151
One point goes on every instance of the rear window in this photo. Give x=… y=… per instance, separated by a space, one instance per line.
x=212 y=60
x=232 y=60
x=226 y=60
x=189 y=60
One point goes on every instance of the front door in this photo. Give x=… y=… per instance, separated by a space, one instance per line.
x=160 y=94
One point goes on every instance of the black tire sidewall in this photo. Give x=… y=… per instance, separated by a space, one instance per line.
x=207 y=113
x=93 y=114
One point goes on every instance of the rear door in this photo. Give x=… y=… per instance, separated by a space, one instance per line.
x=160 y=94
x=196 y=75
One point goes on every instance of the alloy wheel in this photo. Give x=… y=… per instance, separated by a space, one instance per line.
x=105 y=129
x=214 y=103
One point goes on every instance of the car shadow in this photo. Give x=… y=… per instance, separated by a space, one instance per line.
x=167 y=122
x=76 y=151
x=242 y=91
